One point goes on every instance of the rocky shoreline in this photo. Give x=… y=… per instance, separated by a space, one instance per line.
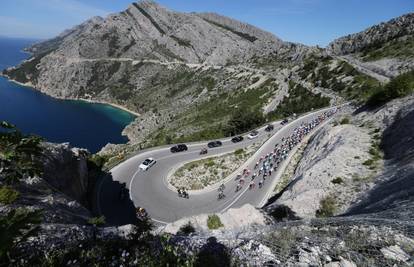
x=30 y=86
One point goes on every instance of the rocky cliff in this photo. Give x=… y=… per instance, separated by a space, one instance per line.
x=62 y=193
x=374 y=36
x=343 y=171
x=386 y=49
x=149 y=31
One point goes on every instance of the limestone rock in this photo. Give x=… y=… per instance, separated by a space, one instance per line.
x=395 y=253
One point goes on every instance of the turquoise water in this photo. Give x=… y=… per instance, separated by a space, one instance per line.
x=82 y=124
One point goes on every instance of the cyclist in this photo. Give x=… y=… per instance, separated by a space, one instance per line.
x=251 y=185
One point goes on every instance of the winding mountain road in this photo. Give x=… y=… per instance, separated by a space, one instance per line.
x=149 y=189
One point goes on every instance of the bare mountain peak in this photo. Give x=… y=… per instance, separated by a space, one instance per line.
x=147 y=30
x=149 y=5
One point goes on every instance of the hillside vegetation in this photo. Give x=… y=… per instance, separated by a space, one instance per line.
x=399 y=86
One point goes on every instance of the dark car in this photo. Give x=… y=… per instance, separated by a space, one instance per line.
x=285 y=121
x=214 y=144
x=178 y=148
x=269 y=128
x=237 y=139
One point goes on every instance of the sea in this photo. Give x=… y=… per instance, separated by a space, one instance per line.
x=82 y=124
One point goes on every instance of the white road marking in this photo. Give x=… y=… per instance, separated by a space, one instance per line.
x=130 y=185
x=235 y=199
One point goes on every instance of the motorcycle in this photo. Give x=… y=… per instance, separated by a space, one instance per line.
x=141 y=213
x=203 y=151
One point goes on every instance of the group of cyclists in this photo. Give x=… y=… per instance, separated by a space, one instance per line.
x=269 y=163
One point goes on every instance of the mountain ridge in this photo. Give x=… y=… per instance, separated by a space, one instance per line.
x=163 y=64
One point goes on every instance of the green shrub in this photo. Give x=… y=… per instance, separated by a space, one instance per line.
x=368 y=162
x=300 y=100
x=8 y=195
x=213 y=222
x=255 y=80
x=397 y=48
x=327 y=207
x=345 y=120
x=399 y=86
x=243 y=121
x=239 y=151
x=18 y=154
x=337 y=180
x=97 y=221
x=186 y=229
x=98 y=160
x=16 y=226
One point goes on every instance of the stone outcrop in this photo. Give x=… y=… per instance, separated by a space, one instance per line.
x=66 y=170
x=62 y=192
x=336 y=152
x=374 y=36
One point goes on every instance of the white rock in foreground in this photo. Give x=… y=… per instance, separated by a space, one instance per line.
x=334 y=152
x=244 y=216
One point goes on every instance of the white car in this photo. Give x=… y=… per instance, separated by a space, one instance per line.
x=253 y=135
x=146 y=164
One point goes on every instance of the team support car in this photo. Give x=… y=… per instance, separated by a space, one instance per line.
x=146 y=164
x=285 y=121
x=269 y=128
x=253 y=135
x=237 y=139
x=214 y=144
x=178 y=148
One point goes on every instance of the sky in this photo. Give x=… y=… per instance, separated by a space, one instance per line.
x=311 y=22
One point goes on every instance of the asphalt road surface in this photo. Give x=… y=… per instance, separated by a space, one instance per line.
x=149 y=189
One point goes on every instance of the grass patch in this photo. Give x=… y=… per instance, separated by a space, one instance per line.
x=97 y=221
x=208 y=82
x=327 y=207
x=8 y=195
x=209 y=163
x=214 y=222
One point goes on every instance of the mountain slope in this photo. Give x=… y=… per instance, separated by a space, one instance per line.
x=374 y=36
x=386 y=49
x=187 y=74
x=164 y=65
x=147 y=30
